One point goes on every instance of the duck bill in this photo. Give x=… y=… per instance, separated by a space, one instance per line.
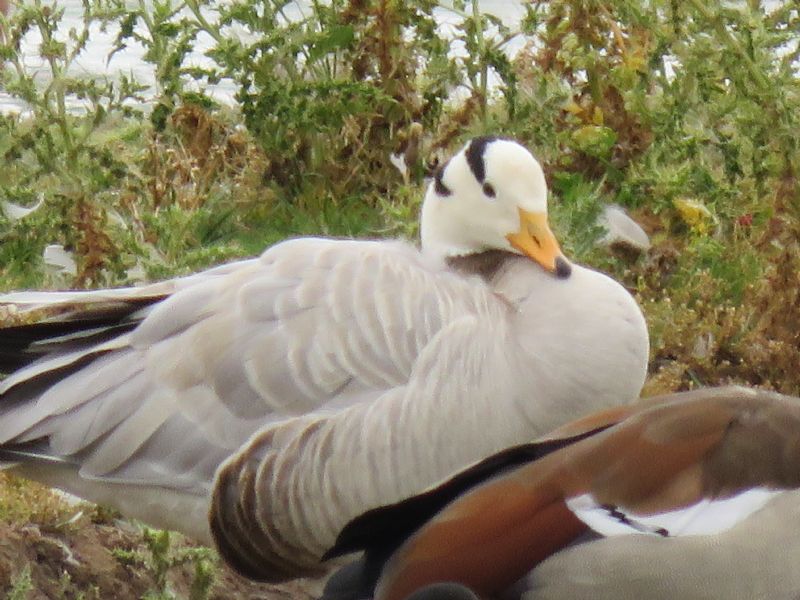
x=535 y=240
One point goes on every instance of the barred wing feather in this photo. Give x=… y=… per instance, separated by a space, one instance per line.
x=206 y=361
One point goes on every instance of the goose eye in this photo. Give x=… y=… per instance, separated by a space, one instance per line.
x=488 y=189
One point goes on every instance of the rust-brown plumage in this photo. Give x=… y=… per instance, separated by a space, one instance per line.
x=661 y=455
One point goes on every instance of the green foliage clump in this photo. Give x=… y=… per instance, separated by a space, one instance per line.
x=160 y=558
x=23 y=501
x=21 y=585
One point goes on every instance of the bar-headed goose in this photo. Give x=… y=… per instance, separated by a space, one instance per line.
x=681 y=484
x=289 y=393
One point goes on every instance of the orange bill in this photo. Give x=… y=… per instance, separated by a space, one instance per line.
x=536 y=241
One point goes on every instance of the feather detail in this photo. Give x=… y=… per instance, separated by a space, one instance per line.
x=706 y=517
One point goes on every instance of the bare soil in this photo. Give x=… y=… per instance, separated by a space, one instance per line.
x=81 y=563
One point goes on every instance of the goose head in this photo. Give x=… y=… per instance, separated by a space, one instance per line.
x=492 y=195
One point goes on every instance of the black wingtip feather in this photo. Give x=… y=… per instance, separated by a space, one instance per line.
x=20 y=345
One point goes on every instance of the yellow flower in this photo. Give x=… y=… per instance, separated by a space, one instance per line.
x=694 y=214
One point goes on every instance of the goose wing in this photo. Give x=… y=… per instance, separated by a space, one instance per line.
x=279 y=501
x=479 y=385
x=157 y=387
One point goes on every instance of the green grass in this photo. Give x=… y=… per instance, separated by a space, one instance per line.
x=21 y=585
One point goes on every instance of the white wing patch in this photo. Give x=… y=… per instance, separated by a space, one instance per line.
x=707 y=517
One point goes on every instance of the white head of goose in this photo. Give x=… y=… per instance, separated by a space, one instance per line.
x=501 y=204
x=262 y=404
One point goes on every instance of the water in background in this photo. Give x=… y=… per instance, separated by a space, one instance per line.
x=94 y=61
